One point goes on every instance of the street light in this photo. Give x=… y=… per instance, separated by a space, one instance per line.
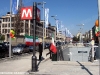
x=42 y=3
x=81 y=32
x=34 y=58
x=10 y=28
x=54 y=17
x=56 y=28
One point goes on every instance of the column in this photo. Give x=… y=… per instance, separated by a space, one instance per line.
x=1 y=25
x=29 y=23
x=24 y=27
x=45 y=31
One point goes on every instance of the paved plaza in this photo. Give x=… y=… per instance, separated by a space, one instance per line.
x=22 y=66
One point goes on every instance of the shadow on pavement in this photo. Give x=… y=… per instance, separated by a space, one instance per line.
x=39 y=61
x=83 y=67
x=30 y=71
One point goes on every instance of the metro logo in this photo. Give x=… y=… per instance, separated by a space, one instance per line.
x=26 y=13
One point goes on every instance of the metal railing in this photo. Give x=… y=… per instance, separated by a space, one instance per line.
x=60 y=53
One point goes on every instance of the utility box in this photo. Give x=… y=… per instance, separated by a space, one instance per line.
x=76 y=54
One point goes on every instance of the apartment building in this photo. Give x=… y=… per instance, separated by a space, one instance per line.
x=78 y=34
x=90 y=34
x=26 y=27
x=60 y=36
x=51 y=31
x=0 y=26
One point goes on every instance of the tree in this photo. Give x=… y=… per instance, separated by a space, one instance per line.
x=2 y=37
x=75 y=38
x=18 y=25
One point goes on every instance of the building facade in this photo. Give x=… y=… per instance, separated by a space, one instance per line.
x=26 y=27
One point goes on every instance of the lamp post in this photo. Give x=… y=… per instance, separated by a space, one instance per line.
x=42 y=3
x=99 y=31
x=56 y=28
x=81 y=27
x=65 y=36
x=10 y=29
x=34 y=58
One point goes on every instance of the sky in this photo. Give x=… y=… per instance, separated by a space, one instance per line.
x=71 y=12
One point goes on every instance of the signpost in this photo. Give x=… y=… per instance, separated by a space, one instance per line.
x=32 y=13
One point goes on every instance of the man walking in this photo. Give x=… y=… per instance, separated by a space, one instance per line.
x=40 y=51
x=49 y=51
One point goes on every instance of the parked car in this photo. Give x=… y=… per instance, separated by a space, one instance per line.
x=6 y=43
x=4 y=51
x=47 y=45
x=58 y=43
x=31 y=48
x=21 y=48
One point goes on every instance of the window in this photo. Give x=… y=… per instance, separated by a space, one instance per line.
x=21 y=30
x=26 y=25
x=12 y=24
x=8 y=24
x=8 y=30
x=8 y=19
x=12 y=19
x=31 y=26
x=5 y=20
x=26 y=30
x=5 y=30
x=2 y=25
x=5 y=25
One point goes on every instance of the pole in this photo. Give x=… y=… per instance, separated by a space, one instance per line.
x=99 y=31
x=10 y=29
x=43 y=24
x=34 y=58
x=56 y=34
x=80 y=36
x=65 y=36
x=92 y=53
x=92 y=43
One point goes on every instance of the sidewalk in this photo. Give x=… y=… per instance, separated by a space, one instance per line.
x=68 y=68
x=22 y=66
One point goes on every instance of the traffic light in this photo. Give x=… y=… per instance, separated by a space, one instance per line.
x=12 y=34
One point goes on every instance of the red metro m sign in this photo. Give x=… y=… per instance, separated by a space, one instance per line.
x=27 y=13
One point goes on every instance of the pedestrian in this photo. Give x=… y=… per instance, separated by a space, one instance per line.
x=49 y=51
x=40 y=51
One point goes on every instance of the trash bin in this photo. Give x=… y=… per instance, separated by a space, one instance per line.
x=54 y=57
